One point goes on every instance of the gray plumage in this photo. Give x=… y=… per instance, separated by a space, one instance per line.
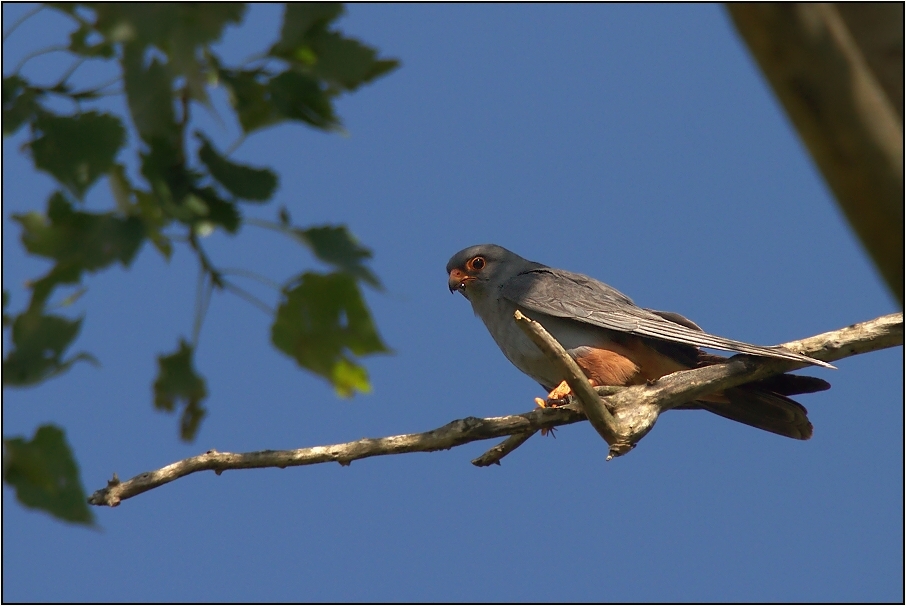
x=581 y=312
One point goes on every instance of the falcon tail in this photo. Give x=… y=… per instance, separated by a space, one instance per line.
x=767 y=410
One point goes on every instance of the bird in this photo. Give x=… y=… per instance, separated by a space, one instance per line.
x=616 y=342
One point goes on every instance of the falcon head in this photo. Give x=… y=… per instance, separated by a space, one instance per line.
x=476 y=270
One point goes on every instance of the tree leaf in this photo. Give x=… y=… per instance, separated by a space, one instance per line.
x=45 y=475
x=334 y=244
x=149 y=91
x=300 y=97
x=177 y=381
x=78 y=44
x=299 y=19
x=322 y=323
x=20 y=103
x=166 y=24
x=38 y=344
x=90 y=241
x=249 y=98
x=242 y=181
x=218 y=211
x=346 y=62
x=78 y=149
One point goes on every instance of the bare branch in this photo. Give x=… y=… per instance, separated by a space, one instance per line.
x=630 y=409
x=493 y=455
x=598 y=415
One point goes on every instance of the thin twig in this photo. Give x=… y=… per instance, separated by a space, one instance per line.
x=244 y=294
x=598 y=415
x=493 y=455
x=880 y=333
x=237 y=271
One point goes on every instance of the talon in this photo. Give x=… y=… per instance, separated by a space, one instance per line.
x=549 y=431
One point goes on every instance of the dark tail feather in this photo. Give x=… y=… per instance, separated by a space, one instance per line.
x=764 y=409
x=790 y=385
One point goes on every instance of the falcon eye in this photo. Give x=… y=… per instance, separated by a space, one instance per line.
x=476 y=264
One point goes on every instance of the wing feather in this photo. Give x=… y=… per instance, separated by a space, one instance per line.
x=568 y=295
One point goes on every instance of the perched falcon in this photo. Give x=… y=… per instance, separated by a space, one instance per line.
x=614 y=341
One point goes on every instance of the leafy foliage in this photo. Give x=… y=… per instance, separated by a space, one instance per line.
x=178 y=381
x=46 y=475
x=321 y=321
x=182 y=189
x=256 y=184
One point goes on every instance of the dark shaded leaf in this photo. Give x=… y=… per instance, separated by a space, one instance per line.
x=322 y=323
x=78 y=149
x=297 y=96
x=86 y=240
x=38 y=345
x=19 y=103
x=305 y=40
x=214 y=209
x=177 y=29
x=300 y=20
x=288 y=96
x=178 y=382
x=162 y=24
x=7 y=320
x=335 y=245
x=346 y=62
x=168 y=177
x=45 y=475
x=149 y=91
x=242 y=181
x=249 y=97
x=79 y=45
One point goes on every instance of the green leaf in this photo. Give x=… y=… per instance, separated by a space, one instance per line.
x=249 y=97
x=39 y=342
x=20 y=103
x=300 y=19
x=322 y=323
x=7 y=320
x=149 y=91
x=242 y=181
x=77 y=149
x=165 y=24
x=216 y=210
x=346 y=62
x=78 y=44
x=334 y=244
x=177 y=381
x=45 y=475
x=90 y=241
x=306 y=41
x=301 y=97
x=288 y=96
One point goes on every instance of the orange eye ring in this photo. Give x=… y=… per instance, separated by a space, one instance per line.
x=476 y=264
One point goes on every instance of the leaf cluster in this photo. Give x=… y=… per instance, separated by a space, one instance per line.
x=180 y=189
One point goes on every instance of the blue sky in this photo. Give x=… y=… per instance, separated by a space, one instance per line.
x=637 y=144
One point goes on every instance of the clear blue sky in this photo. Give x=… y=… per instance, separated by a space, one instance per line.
x=637 y=144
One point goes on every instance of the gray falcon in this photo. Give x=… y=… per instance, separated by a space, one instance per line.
x=614 y=341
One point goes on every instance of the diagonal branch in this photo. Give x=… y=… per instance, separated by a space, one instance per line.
x=624 y=406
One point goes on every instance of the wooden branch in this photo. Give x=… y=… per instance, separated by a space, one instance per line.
x=624 y=405
x=493 y=456
x=589 y=402
x=838 y=105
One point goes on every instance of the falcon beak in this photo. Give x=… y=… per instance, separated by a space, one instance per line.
x=458 y=280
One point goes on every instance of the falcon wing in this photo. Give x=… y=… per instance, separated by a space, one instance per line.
x=567 y=295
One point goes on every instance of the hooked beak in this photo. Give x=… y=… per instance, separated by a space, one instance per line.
x=458 y=280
